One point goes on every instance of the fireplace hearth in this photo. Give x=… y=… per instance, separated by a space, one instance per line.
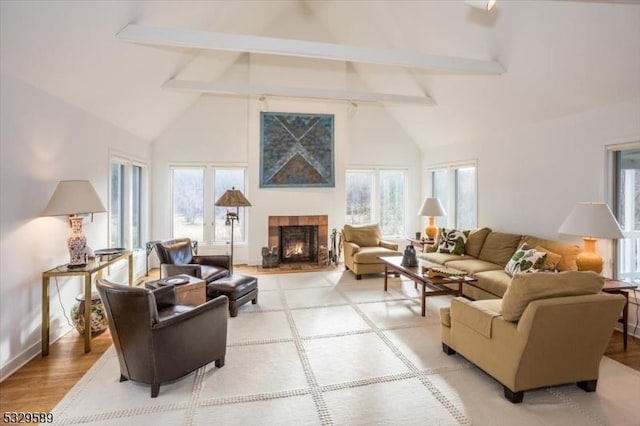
x=298 y=243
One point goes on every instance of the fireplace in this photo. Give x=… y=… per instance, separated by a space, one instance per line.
x=298 y=239
x=298 y=243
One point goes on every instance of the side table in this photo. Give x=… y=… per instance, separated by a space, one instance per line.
x=420 y=243
x=623 y=288
x=86 y=272
x=193 y=292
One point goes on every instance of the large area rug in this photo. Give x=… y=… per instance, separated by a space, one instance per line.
x=324 y=349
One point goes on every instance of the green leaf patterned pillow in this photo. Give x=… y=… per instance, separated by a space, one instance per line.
x=525 y=260
x=452 y=241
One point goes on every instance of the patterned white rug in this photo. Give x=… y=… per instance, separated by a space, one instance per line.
x=324 y=349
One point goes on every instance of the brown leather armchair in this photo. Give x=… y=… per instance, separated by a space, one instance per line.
x=176 y=257
x=157 y=340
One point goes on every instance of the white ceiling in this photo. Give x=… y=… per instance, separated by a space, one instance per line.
x=560 y=57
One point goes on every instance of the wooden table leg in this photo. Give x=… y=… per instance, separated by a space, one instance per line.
x=625 y=319
x=131 y=269
x=424 y=299
x=87 y=313
x=45 y=317
x=386 y=271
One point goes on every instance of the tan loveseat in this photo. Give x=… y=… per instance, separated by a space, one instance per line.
x=487 y=253
x=362 y=246
x=549 y=329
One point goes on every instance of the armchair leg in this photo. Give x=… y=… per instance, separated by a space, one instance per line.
x=155 y=390
x=254 y=301
x=514 y=397
x=358 y=276
x=588 y=385
x=220 y=362
x=123 y=379
x=447 y=350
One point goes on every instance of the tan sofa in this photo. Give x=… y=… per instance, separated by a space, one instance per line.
x=487 y=253
x=362 y=245
x=549 y=329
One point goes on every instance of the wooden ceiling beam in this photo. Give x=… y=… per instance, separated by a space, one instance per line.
x=305 y=49
x=294 y=92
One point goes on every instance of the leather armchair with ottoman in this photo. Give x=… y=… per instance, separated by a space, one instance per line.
x=158 y=340
x=239 y=289
x=176 y=257
x=549 y=329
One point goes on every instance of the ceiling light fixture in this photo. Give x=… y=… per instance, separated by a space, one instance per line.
x=481 y=4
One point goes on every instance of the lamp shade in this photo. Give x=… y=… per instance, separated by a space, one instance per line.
x=232 y=198
x=431 y=207
x=73 y=197
x=593 y=220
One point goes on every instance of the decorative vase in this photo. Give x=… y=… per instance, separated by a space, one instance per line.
x=99 y=321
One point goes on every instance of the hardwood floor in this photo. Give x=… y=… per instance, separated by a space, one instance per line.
x=43 y=382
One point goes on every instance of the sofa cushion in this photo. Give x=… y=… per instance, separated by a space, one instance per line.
x=371 y=254
x=545 y=285
x=452 y=241
x=498 y=247
x=363 y=235
x=473 y=266
x=495 y=282
x=569 y=252
x=475 y=241
x=525 y=261
x=551 y=259
x=440 y=258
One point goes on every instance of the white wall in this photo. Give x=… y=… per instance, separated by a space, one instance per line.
x=226 y=130
x=530 y=177
x=44 y=140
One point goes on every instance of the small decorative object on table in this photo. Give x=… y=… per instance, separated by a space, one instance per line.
x=442 y=271
x=409 y=258
x=99 y=321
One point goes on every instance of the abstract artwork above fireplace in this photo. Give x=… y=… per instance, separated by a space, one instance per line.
x=296 y=150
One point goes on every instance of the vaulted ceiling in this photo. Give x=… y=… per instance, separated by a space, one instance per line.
x=558 y=57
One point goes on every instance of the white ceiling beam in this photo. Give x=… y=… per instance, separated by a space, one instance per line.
x=293 y=92
x=305 y=49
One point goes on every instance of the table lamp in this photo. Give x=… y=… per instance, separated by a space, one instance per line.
x=431 y=207
x=73 y=198
x=591 y=220
x=232 y=198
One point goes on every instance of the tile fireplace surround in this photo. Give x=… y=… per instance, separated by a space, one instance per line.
x=277 y=221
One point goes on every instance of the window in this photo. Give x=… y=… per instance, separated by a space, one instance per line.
x=191 y=193
x=627 y=209
x=127 y=203
x=187 y=207
x=455 y=186
x=377 y=196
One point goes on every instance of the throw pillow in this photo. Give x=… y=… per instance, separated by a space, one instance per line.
x=550 y=261
x=525 y=260
x=452 y=241
x=526 y=288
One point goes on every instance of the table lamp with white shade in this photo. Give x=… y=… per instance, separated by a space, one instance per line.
x=73 y=198
x=431 y=207
x=591 y=220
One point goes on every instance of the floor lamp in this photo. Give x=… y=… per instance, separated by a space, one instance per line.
x=232 y=198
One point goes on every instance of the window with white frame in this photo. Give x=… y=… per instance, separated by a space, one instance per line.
x=190 y=218
x=455 y=186
x=127 y=203
x=377 y=195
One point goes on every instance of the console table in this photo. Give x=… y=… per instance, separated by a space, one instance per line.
x=95 y=267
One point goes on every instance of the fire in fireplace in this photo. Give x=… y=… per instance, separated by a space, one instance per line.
x=298 y=243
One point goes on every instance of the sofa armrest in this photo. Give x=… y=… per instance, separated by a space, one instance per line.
x=477 y=316
x=389 y=245
x=350 y=248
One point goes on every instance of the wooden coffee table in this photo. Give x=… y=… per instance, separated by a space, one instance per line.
x=190 y=290
x=430 y=286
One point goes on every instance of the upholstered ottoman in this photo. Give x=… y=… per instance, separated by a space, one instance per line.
x=238 y=288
